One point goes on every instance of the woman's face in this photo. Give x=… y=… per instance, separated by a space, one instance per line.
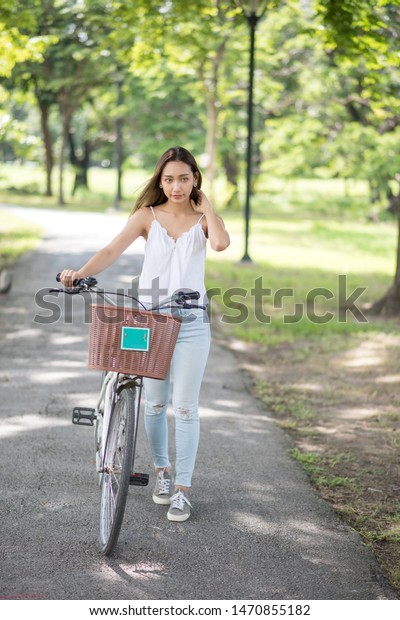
x=177 y=181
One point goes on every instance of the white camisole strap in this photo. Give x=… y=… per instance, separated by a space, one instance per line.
x=154 y=215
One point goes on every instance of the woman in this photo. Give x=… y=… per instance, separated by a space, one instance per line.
x=176 y=219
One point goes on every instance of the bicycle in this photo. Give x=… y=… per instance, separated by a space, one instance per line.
x=127 y=344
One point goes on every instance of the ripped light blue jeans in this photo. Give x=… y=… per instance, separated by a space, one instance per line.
x=186 y=371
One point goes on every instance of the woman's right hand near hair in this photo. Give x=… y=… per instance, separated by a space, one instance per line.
x=68 y=276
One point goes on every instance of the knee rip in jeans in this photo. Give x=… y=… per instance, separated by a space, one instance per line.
x=154 y=409
x=186 y=413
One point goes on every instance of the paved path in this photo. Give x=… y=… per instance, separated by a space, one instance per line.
x=258 y=531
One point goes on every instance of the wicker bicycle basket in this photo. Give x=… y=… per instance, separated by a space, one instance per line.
x=107 y=328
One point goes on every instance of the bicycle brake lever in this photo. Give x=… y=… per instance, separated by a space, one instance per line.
x=185 y=305
x=71 y=291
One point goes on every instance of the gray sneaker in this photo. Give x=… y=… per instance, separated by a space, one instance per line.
x=180 y=506
x=162 y=490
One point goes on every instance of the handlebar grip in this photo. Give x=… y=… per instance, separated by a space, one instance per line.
x=189 y=294
x=75 y=282
x=89 y=281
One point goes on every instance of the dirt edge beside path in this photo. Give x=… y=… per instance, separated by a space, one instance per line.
x=339 y=402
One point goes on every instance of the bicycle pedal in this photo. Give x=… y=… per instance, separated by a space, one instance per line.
x=83 y=416
x=140 y=480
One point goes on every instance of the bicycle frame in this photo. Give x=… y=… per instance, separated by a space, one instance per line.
x=103 y=415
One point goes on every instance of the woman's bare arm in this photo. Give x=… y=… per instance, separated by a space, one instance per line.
x=217 y=233
x=135 y=227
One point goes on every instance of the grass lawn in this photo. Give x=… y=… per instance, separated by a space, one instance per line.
x=16 y=237
x=25 y=185
x=308 y=264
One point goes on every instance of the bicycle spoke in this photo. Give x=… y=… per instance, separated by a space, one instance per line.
x=112 y=497
x=116 y=482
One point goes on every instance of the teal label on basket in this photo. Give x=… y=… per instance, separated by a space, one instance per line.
x=135 y=338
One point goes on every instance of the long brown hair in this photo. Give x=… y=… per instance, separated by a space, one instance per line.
x=152 y=195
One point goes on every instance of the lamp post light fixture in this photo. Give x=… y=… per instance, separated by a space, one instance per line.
x=253 y=10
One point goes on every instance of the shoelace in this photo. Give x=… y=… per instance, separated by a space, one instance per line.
x=164 y=483
x=178 y=500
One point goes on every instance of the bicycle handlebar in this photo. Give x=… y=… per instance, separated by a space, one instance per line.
x=85 y=284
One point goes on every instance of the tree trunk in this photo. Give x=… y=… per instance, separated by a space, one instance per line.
x=48 y=143
x=66 y=116
x=80 y=164
x=64 y=139
x=211 y=144
x=119 y=155
x=210 y=86
x=389 y=304
x=230 y=165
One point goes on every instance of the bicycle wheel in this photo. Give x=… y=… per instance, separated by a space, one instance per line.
x=118 y=461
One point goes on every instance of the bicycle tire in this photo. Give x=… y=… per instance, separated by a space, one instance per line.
x=98 y=434
x=118 y=462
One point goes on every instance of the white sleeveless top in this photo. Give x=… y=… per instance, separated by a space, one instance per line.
x=178 y=265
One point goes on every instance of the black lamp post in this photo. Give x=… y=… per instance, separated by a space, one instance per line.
x=254 y=10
